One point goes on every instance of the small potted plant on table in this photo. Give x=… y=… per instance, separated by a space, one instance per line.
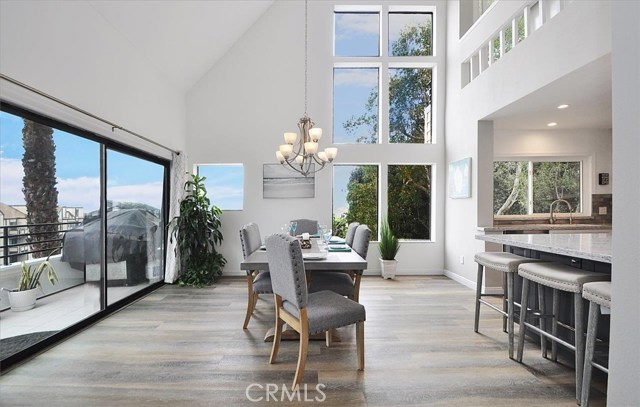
x=389 y=247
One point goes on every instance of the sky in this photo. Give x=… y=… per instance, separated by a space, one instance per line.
x=224 y=184
x=78 y=171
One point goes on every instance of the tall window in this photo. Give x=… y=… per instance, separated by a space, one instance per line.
x=384 y=67
x=224 y=184
x=355 y=197
x=529 y=187
x=364 y=64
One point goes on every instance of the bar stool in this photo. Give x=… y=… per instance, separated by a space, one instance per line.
x=559 y=277
x=506 y=263
x=599 y=295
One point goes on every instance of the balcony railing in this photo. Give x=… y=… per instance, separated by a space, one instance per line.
x=23 y=246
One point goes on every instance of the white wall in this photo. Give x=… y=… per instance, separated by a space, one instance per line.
x=68 y=50
x=239 y=110
x=592 y=144
x=624 y=359
x=585 y=30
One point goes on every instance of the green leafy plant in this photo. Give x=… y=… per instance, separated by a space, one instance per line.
x=389 y=245
x=30 y=276
x=197 y=233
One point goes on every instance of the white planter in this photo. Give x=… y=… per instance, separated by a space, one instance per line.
x=23 y=300
x=388 y=268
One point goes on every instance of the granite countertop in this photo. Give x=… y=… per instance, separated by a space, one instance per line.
x=591 y=246
x=547 y=226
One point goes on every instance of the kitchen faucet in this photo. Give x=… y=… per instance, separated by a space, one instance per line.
x=552 y=220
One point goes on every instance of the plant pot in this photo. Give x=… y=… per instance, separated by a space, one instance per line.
x=388 y=268
x=22 y=300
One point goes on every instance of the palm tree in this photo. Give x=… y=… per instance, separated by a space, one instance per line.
x=39 y=187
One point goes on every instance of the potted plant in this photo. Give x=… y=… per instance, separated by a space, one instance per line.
x=197 y=230
x=389 y=247
x=23 y=297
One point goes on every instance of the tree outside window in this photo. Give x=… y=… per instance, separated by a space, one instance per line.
x=527 y=187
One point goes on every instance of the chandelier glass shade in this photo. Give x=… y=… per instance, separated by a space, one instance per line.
x=302 y=153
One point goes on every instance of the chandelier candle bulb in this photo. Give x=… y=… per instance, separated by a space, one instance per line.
x=286 y=150
x=315 y=133
x=299 y=159
x=331 y=153
x=279 y=157
x=323 y=156
x=310 y=147
x=290 y=138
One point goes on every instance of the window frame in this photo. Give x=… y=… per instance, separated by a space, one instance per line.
x=586 y=185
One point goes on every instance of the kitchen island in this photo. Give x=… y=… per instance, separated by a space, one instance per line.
x=586 y=251
x=595 y=247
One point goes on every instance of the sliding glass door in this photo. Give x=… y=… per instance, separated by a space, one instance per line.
x=135 y=224
x=92 y=207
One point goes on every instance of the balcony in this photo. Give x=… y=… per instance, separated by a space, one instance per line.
x=79 y=293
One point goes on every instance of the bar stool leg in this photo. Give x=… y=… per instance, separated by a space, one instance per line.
x=510 y=306
x=505 y=301
x=524 y=305
x=542 y=322
x=478 y=293
x=592 y=330
x=554 y=324
x=579 y=336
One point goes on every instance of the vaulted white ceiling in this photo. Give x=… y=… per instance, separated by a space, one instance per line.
x=182 y=39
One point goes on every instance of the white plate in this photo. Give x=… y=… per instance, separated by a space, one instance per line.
x=314 y=256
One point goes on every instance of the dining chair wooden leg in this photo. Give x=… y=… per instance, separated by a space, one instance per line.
x=251 y=301
x=302 y=353
x=360 y=344
x=278 y=331
x=329 y=337
x=356 y=287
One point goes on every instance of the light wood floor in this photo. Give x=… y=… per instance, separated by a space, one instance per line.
x=186 y=347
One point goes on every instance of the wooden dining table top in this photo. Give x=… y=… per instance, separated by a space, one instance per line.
x=334 y=261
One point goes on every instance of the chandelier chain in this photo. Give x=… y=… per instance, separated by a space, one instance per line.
x=305 y=56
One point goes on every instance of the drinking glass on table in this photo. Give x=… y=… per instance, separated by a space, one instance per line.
x=292 y=228
x=326 y=236
x=321 y=231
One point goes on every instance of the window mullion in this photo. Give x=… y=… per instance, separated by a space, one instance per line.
x=530 y=188
x=383 y=102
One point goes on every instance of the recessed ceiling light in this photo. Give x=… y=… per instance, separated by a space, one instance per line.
x=552 y=124
x=563 y=106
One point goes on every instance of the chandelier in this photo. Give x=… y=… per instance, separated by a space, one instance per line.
x=301 y=153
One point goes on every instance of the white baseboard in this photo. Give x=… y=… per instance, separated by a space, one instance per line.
x=472 y=284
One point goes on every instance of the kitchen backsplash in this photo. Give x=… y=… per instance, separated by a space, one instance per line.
x=601 y=201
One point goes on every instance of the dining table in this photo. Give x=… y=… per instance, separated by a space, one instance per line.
x=339 y=257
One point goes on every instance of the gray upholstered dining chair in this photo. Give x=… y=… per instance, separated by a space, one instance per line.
x=258 y=282
x=351 y=232
x=307 y=313
x=344 y=283
x=309 y=226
